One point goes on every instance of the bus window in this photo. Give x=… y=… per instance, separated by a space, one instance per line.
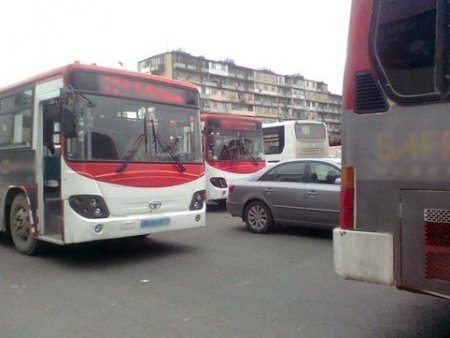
x=273 y=140
x=406 y=47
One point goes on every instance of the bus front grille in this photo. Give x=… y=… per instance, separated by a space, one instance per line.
x=437 y=244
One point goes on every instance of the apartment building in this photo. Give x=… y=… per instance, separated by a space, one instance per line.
x=229 y=88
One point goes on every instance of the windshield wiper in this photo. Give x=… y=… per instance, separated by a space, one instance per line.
x=131 y=152
x=166 y=148
x=245 y=150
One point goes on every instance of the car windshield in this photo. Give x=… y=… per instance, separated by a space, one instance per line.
x=235 y=145
x=108 y=129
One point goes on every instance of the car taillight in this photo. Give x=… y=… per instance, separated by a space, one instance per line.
x=347 y=198
x=231 y=188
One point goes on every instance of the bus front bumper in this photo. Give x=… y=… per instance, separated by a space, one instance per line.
x=79 y=229
x=216 y=194
x=364 y=256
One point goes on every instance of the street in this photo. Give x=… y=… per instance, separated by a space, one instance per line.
x=218 y=281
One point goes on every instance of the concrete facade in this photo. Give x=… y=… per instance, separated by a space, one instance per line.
x=228 y=88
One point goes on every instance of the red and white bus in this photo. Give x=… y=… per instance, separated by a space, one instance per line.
x=89 y=153
x=233 y=149
x=395 y=200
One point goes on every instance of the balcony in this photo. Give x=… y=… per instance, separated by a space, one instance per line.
x=209 y=84
x=179 y=65
x=227 y=86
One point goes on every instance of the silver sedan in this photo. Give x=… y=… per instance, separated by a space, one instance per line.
x=302 y=191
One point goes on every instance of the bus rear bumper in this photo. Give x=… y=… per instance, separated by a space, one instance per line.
x=364 y=256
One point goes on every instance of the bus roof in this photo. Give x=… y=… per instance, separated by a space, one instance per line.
x=290 y=122
x=208 y=115
x=95 y=68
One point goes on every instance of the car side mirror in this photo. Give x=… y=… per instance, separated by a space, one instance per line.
x=337 y=181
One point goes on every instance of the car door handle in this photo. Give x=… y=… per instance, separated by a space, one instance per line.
x=268 y=190
x=312 y=193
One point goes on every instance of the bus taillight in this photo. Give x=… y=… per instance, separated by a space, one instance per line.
x=347 y=197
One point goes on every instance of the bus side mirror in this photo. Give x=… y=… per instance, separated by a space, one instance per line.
x=69 y=127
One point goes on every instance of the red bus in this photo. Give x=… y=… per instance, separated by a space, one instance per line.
x=395 y=187
x=233 y=149
x=87 y=154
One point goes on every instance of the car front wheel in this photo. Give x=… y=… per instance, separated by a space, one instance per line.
x=258 y=217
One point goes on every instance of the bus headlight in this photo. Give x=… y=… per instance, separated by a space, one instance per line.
x=218 y=182
x=93 y=203
x=89 y=206
x=198 y=200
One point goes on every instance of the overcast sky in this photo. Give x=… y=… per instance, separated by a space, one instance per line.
x=287 y=36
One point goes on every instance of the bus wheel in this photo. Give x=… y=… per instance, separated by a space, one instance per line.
x=20 y=227
x=258 y=217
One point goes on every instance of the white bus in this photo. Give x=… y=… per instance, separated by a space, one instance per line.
x=86 y=154
x=295 y=139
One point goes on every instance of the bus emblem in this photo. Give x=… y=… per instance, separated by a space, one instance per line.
x=153 y=205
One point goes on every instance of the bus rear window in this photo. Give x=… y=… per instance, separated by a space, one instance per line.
x=406 y=46
x=310 y=131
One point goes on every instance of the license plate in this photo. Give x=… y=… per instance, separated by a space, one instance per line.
x=156 y=222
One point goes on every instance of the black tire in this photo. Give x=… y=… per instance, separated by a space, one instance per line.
x=20 y=227
x=258 y=217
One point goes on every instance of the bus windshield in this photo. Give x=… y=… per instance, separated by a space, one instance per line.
x=108 y=127
x=310 y=131
x=235 y=145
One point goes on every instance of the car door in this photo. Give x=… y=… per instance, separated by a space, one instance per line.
x=323 y=194
x=284 y=191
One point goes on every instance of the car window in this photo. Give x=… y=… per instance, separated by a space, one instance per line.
x=323 y=173
x=288 y=172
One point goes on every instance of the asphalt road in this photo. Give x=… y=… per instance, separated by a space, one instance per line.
x=219 y=281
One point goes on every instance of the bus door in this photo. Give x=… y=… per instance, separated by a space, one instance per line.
x=51 y=152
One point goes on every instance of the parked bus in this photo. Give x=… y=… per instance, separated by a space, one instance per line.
x=233 y=149
x=86 y=154
x=295 y=139
x=395 y=211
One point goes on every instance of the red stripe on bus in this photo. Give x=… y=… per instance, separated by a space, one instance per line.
x=357 y=50
x=238 y=167
x=144 y=175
